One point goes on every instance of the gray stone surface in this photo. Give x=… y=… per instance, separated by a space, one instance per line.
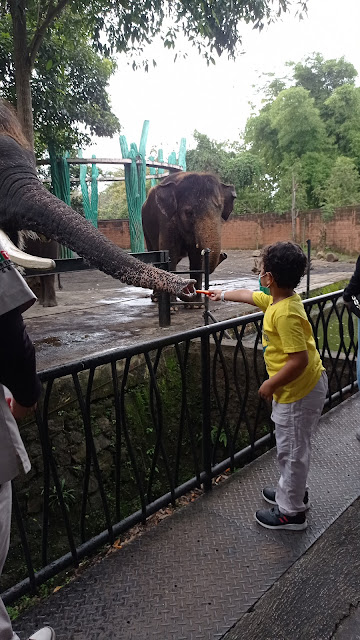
x=196 y=575
x=95 y=312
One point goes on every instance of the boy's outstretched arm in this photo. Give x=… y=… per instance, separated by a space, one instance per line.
x=235 y=295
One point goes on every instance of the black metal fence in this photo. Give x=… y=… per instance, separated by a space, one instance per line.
x=124 y=433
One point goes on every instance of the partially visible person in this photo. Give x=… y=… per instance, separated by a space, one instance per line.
x=297 y=383
x=17 y=375
x=353 y=289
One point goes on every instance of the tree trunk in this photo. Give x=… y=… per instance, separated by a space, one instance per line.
x=293 y=209
x=22 y=68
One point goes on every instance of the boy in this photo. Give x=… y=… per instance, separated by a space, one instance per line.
x=297 y=383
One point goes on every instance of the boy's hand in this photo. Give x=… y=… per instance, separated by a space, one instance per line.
x=215 y=294
x=266 y=390
x=19 y=412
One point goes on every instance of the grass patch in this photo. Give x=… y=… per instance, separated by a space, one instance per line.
x=329 y=288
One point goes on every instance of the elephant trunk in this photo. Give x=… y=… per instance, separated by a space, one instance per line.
x=208 y=236
x=26 y=204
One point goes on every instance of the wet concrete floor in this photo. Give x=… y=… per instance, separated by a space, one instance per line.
x=95 y=312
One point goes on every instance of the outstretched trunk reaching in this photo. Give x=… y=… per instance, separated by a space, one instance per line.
x=26 y=204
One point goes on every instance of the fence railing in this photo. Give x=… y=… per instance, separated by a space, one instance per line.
x=124 y=433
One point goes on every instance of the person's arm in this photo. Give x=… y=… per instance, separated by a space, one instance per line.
x=18 y=365
x=353 y=288
x=235 y=295
x=293 y=368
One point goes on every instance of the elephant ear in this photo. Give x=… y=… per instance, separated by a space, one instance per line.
x=229 y=197
x=165 y=196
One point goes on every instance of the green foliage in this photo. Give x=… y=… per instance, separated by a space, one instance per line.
x=69 y=86
x=233 y=166
x=297 y=122
x=342 y=187
x=308 y=123
x=43 y=40
x=329 y=288
x=67 y=494
x=342 y=113
x=207 y=156
x=322 y=77
x=112 y=201
x=291 y=176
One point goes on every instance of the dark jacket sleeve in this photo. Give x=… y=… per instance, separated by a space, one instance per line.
x=353 y=287
x=17 y=358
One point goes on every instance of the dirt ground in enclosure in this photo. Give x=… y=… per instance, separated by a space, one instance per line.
x=96 y=312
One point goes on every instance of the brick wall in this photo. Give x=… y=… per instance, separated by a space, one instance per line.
x=253 y=231
x=117 y=231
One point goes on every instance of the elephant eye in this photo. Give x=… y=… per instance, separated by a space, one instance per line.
x=188 y=211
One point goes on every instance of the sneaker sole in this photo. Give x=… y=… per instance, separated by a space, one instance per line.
x=273 y=502
x=289 y=527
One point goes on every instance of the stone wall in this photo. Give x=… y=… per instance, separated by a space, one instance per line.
x=253 y=231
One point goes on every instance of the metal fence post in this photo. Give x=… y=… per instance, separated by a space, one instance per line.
x=206 y=255
x=164 y=297
x=206 y=410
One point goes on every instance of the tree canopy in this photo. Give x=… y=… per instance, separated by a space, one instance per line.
x=127 y=26
x=69 y=86
x=304 y=142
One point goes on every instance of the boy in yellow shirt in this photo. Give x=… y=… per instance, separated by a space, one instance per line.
x=297 y=383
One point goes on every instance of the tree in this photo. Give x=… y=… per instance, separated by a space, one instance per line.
x=231 y=164
x=127 y=26
x=301 y=130
x=291 y=191
x=207 y=156
x=342 y=187
x=342 y=117
x=112 y=201
x=321 y=77
x=69 y=87
x=297 y=122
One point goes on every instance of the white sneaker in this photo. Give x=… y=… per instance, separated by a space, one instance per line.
x=46 y=633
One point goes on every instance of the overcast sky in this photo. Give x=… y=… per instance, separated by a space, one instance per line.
x=179 y=97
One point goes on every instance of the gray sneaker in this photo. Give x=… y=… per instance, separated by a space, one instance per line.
x=268 y=493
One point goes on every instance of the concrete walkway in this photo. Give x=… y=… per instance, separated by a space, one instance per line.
x=210 y=572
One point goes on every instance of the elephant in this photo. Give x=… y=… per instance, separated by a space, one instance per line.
x=184 y=214
x=43 y=286
x=26 y=204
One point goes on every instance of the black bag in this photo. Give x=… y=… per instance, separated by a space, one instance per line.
x=355 y=305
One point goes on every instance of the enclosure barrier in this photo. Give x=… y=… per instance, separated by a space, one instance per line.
x=126 y=432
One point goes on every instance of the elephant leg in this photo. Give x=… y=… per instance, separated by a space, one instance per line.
x=35 y=285
x=48 y=289
x=60 y=287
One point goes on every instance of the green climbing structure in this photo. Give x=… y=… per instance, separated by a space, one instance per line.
x=60 y=181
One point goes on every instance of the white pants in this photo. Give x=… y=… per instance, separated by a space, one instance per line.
x=294 y=425
x=6 y=631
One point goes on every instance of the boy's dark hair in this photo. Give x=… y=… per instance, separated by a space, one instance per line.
x=286 y=261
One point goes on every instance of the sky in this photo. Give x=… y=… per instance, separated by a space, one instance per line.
x=178 y=98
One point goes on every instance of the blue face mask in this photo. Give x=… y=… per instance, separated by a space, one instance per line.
x=263 y=289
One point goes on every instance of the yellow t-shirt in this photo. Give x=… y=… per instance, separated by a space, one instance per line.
x=286 y=329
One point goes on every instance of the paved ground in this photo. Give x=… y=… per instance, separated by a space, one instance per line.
x=96 y=312
x=210 y=572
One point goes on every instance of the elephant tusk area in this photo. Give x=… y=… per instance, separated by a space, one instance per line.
x=23 y=259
